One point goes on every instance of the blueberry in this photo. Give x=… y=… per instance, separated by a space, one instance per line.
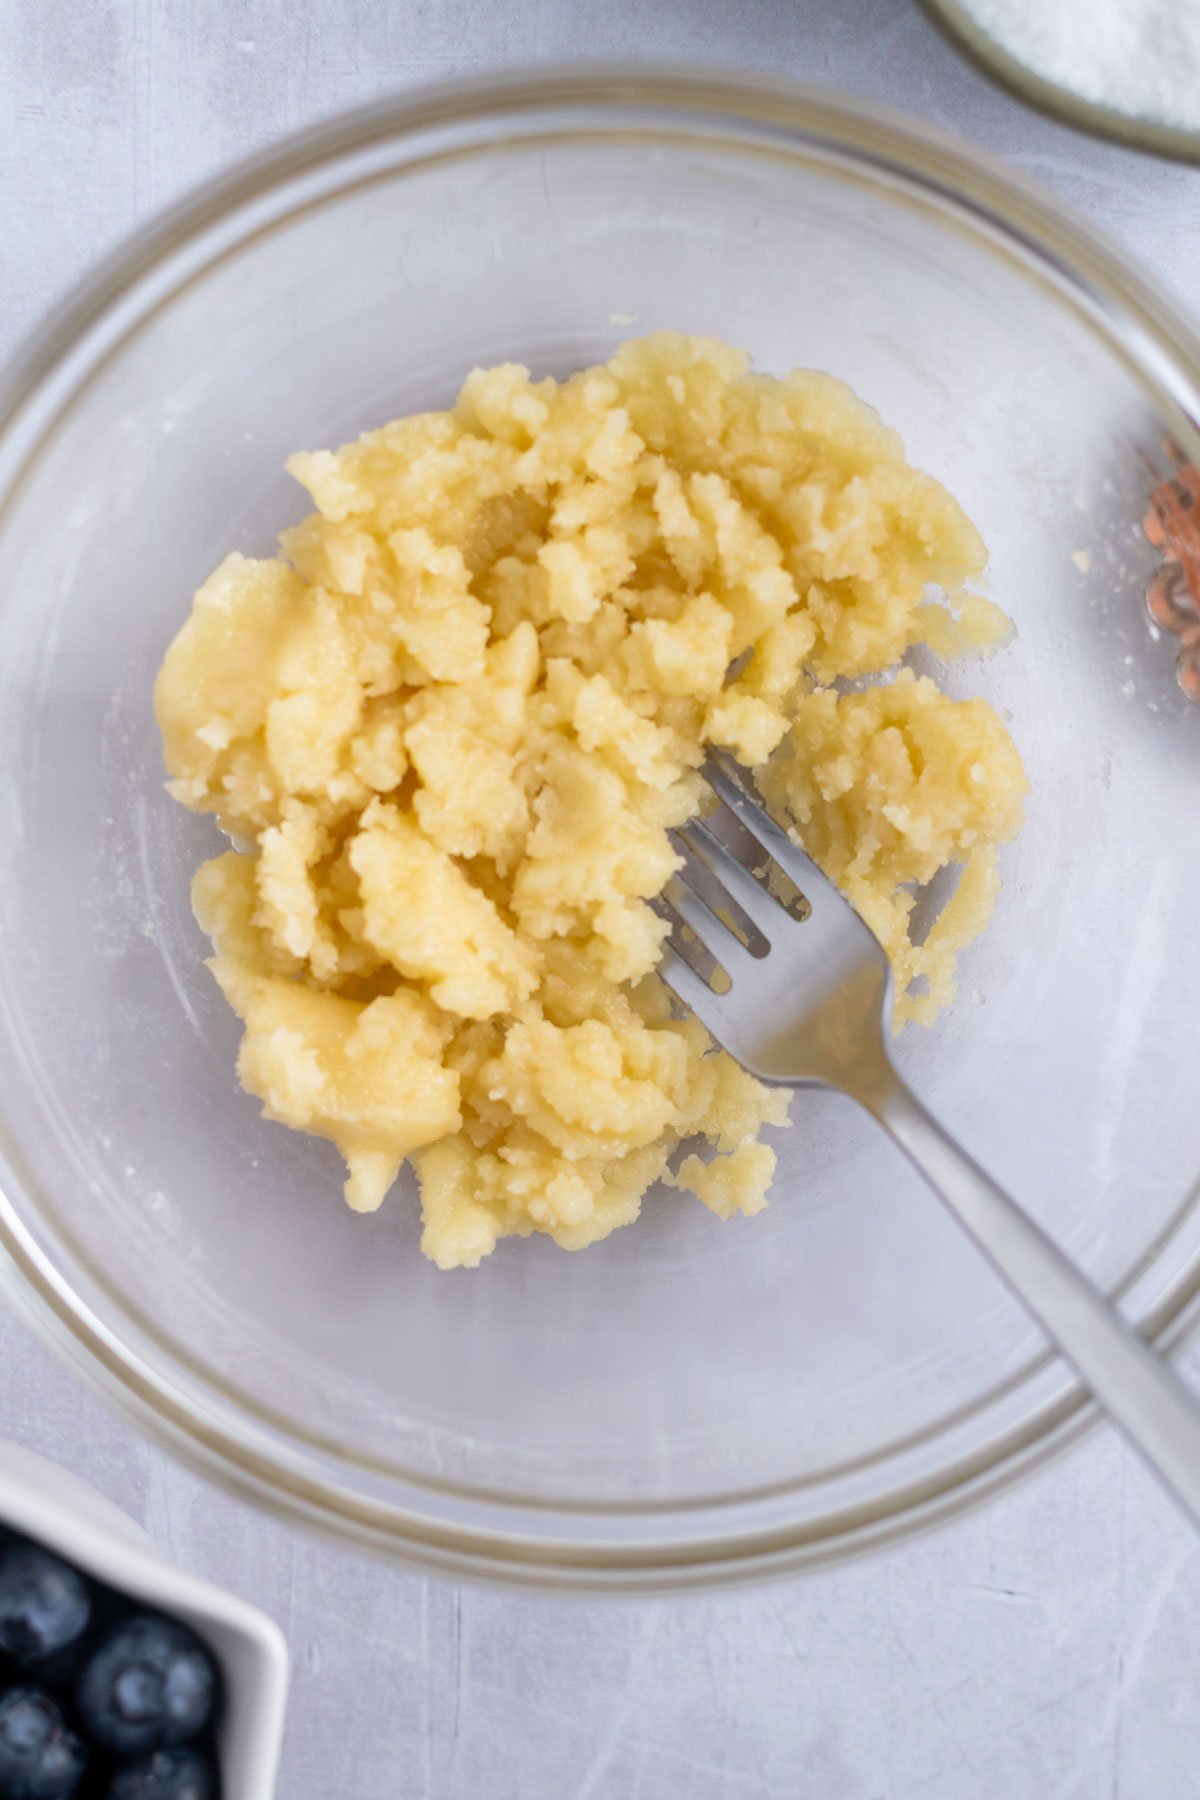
x=44 y=1604
x=39 y=1758
x=167 y=1775
x=149 y=1685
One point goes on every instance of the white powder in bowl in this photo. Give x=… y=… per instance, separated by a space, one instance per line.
x=1139 y=57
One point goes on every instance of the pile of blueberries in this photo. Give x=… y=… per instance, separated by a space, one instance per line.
x=99 y=1699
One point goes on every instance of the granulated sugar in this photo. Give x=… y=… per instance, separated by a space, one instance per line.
x=1139 y=57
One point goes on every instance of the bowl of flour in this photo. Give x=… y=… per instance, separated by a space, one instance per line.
x=1123 y=69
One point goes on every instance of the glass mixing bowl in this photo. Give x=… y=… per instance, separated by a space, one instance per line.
x=688 y=1401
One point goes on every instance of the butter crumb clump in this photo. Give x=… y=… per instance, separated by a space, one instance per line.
x=454 y=720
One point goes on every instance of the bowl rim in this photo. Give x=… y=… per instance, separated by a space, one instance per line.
x=1146 y=331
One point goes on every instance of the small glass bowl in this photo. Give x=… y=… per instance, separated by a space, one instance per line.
x=960 y=21
x=688 y=1401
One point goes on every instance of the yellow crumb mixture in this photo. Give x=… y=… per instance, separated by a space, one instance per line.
x=453 y=721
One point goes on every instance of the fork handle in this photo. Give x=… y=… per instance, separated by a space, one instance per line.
x=1143 y=1395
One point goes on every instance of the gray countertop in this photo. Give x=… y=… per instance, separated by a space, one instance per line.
x=1041 y=1648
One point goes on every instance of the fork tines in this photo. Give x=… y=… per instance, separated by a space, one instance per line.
x=725 y=915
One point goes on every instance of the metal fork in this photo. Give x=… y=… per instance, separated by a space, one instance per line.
x=806 y=1002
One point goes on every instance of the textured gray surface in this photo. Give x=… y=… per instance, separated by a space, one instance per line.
x=1046 y=1647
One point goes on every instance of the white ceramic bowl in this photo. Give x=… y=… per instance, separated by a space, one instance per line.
x=61 y=1512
